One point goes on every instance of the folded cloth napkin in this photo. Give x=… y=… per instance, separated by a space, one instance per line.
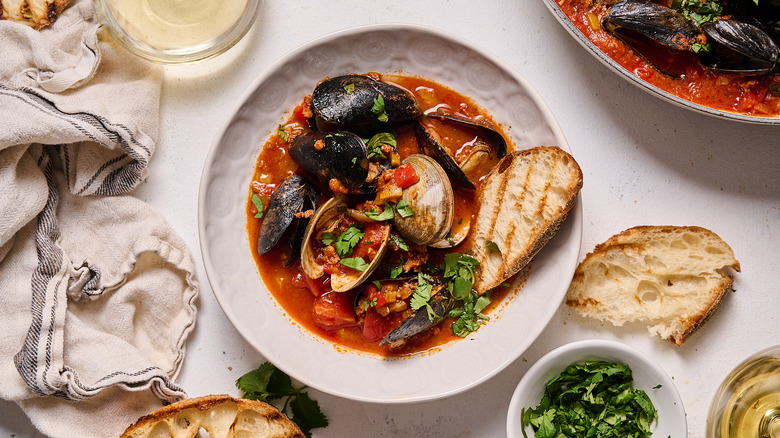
x=97 y=292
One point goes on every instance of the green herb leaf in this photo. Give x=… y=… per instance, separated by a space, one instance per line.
x=347 y=240
x=282 y=133
x=258 y=204
x=374 y=145
x=356 y=263
x=349 y=88
x=403 y=209
x=395 y=271
x=379 y=109
x=592 y=399
x=386 y=214
x=492 y=246
x=267 y=383
x=327 y=238
x=399 y=242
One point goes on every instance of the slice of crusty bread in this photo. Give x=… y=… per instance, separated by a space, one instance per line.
x=221 y=416
x=522 y=202
x=34 y=13
x=671 y=278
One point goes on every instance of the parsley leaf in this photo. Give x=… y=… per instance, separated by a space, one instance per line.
x=349 y=88
x=399 y=242
x=421 y=296
x=592 y=397
x=492 y=246
x=374 y=144
x=386 y=214
x=282 y=133
x=403 y=209
x=327 y=238
x=258 y=204
x=395 y=271
x=379 y=109
x=356 y=263
x=347 y=240
x=267 y=383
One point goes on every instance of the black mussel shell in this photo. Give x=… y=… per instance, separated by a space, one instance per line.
x=420 y=321
x=290 y=197
x=341 y=155
x=432 y=147
x=299 y=226
x=738 y=47
x=632 y=18
x=349 y=100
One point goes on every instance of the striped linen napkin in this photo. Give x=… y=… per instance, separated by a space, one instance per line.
x=97 y=292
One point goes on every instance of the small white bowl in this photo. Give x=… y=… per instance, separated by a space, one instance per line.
x=646 y=373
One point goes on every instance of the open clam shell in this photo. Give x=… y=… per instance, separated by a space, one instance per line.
x=324 y=219
x=431 y=199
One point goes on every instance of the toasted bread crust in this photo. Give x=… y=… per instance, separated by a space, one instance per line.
x=34 y=13
x=278 y=425
x=684 y=267
x=523 y=202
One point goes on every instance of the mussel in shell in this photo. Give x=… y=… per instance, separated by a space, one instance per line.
x=294 y=195
x=431 y=132
x=358 y=100
x=338 y=155
x=738 y=47
x=327 y=219
x=432 y=201
x=630 y=18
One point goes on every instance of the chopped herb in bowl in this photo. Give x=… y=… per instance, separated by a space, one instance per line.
x=592 y=399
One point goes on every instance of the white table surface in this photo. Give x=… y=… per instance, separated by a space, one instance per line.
x=644 y=161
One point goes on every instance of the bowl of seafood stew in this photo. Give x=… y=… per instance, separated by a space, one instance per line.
x=721 y=62
x=228 y=253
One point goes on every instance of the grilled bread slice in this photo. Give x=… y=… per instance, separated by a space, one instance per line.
x=522 y=202
x=34 y=13
x=671 y=278
x=221 y=416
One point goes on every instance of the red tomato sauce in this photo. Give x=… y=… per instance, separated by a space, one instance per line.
x=746 y=95
x=311 y=303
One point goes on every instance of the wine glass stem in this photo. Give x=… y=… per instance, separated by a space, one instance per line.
x=769 y=427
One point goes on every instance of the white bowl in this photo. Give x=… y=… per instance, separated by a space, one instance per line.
x=227 y=254
x=647 y=376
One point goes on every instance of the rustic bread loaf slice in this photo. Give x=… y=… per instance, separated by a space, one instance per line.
x=221 y=416
x=34 y=13
x=522 y=202
x=671 y=278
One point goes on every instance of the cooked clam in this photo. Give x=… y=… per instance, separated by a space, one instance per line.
x=432 y=201
x=326 y=220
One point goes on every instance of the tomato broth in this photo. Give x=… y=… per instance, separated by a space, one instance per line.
x=297 y=294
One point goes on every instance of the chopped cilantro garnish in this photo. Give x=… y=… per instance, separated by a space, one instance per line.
x=354 y=160
x=395 y=271
x=349 y=88
x=422 y=295
x=399 y=242
x=267 y=383
x=458 y=270
x=592 y=399
x=385 y=215
x=327 y=238
x=374 y=144
x=258 y=204
x=347 y=240
x=699 y=12
x=492 y=246
x=403 y=209
x=379 y=109
x=356 y=263
x=282 y=133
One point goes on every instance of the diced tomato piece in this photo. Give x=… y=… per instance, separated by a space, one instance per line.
x=372 y=293
x=333 y=310
x=375 y=326
x=373 y=234
x=317 y=286
x=299 y=280
x=405 y=175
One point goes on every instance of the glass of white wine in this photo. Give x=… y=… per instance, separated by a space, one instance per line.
x=747 y=404
x=177 y=31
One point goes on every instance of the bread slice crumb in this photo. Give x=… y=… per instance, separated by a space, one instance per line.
x=672 y=278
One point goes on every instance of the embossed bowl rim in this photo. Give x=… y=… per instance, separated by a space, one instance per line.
x=309 y=359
